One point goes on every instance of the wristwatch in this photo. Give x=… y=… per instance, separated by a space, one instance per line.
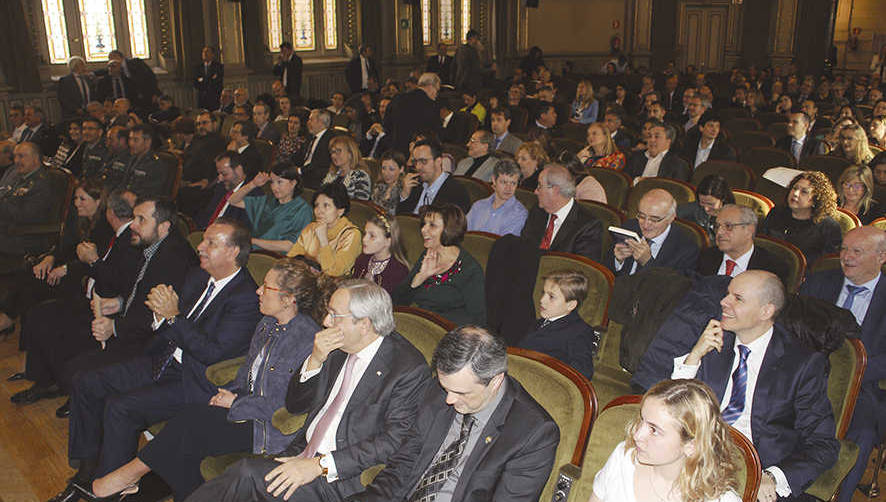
x=171 y=320
x=324 y=465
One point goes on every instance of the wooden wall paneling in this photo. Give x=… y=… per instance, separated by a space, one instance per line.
x=783 y=30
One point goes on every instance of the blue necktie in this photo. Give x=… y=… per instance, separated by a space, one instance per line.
x=739 y=387
x=497 y=144
x=796 y=148
x=853 y=292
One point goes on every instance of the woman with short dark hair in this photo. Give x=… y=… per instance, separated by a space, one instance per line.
x=331 y=239
x=712 y=194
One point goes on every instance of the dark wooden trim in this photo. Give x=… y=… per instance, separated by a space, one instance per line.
x=795 y=250
x=610 y=277
x=618 y=212
x=861 y=362
x=696 y=229
x=750 y=193
x=368 y=203
x=630 y=399
x=753 y=467
x=585 y=387
x=479 y=233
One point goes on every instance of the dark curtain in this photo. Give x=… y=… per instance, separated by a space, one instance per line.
x=20 y=66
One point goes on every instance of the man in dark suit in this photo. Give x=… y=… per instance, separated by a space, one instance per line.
x=261 y=117
x=210 y=321
x=430 y=184
x=198 y=167
x=501 y=442
x=414 y=111
x=75 y=90
x=558 y=222
x=662 y=244
x=861 y=259
x=361 y=72
x=143 y=79
x=209 y=80
x=456 y=125
x=799 y=143
x=288 y=69
x=545 y=126
x=361 y=387
x=315 y=158
x=146 y=174
x=735 y=229
x=771 y=388
x=671 y=96
x=441 y=64
x=114 y=84
x=39 y=131
x=658 y=159
x=613 y=118
x=707 y=143
x=231 y=175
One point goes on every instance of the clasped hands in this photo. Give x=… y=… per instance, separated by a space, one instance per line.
x=162 y=300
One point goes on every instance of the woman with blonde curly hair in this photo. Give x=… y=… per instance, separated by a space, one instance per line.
x=807 y=220
x=853 y=145
x=678 y=448
x=347 y=166
x=856 y=190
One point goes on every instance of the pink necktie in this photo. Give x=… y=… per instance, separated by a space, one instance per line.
x=326 y=420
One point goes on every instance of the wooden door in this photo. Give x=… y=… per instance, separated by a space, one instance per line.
x=702 y=36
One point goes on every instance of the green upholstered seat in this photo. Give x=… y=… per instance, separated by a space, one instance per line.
x=259 y=263
x=608 y=215
x=789 y=255
x=698 y=234
x=738 y=175
x=361 y=211
x=610 y=379
x=616 y=184
x=526 y=197
x=758 y=202
x=195 y=238
x=683 y=192
x=224 y=372
x=410 y=236
x=477 y=189
x=880 y=223
x=479 y=245
x=847 y=220
x=565 y=394
x=422 y=328
x=594 y=310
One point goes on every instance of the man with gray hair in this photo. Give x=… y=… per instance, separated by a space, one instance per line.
x=480 y=162
x=316 y=160
x=558 y=223
x=75 y=90
x=414 y=111
x=361 y=388
x=735 y=251
x=500 y=213
x=478 y=435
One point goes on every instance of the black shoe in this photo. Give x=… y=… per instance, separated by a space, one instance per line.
x=35 y=394
x=16 y=377
x=64 y=411
x=86 y=494
x=69 y=494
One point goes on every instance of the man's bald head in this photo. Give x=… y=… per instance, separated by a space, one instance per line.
x=656 y=210
x=863 y=253
x=752 y=303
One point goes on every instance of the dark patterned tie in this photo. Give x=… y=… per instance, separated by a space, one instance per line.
x=160 y=363
x=853 y=292
x=739 y=387
x=442 y=466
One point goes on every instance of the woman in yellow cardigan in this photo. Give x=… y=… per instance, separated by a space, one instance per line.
x=331 y=239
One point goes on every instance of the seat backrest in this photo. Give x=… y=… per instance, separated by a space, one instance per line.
x=880 y=223
x=575 y=132
x=762 y=158
x=758 y=202
x=737 y=174
x=844 y=381
x=266 y=150
x=559 y=145
x=195 y=238
x=373 y=168
x=259 y=263
x=745 y=140
x=695 y=231
x=173 y=165
x=410 y=236
x=477 y=189
x=458 y=152
x=829 y=261
x=566 y=395
x=608 y=216
x=741 y=124
x=479 y=245
x=308 y=195
x=683 y=192
x=526 y=197
x=422 y=328
x=832 y=166
x=361 y=211
x=777 y=130
x=615 y=183
x=767 y=118
x=595 y=308
x=847 y=220
x=789 y=255
x=771 y=190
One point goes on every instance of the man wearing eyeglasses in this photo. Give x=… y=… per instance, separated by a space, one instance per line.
x=430 y=184
x=735 y=251
x=662 y=244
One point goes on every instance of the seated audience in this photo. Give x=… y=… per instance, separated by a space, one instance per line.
x=799 y=142
x=878 y=167
x=261 y=117
x=445 y=279
x=236 y=418
x=383 y=260
x=707 y=143
x=277 y=218
x=807 y=221
x=146 y=175
x=856 y=194
x=561 y=332
x=601 y=150
x=614 y=118
x=658 y=159
x=677 y=441
x=734 y=250
x=663 y=244
x=331 y=239
x=500 y=124
x=430 y=185
x=379 y=379
x=95 y=152
x=558 y=223
x=877 y=132
x=472 y=395
x=473 y=105
x=315 y=160
x=480 y=161
x=779 y=402
x=854 y=145
x=859 y=288
x=585 y=106
x=69 y=154
x=712 y=194
x=387 y=188
x=531 y=157
x=545 y=123
x=39 y=132
x=293 y=141
x=347 y=168
x=231 y=176
x=500 y=213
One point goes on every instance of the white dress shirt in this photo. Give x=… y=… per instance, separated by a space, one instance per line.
x=314 y=143
x=653 y=164
x=862 y=300
x=702 y=154
x=741 y=263
x=561 y=217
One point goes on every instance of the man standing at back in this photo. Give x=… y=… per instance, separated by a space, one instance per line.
x=414 y=111
x=288 y=70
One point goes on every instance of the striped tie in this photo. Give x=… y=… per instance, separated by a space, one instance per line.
x=739 y=387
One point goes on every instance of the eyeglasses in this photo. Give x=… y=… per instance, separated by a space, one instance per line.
x=728 y=226
x=422 y=161
x=853 y=186
x=265 y=287
x=336 y=150
x=335 y=316
x=652 y=219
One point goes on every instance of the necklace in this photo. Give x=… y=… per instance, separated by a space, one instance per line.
x=376 y=267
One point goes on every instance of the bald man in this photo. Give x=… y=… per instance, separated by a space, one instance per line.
x=858 y=287
x=662 y=245
x=770 y=387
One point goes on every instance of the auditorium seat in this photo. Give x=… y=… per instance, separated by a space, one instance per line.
x=479 y=245
x=737 y=174
x=789 y=255
x=758 y=202
x=681 y=191
x=616 y=184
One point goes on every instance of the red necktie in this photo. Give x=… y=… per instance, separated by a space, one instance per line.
x=549 y=233
x=219 y=207
x=111 y=245
x=730 y=267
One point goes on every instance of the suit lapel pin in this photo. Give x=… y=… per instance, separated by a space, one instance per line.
x=378 y=373
x=488 y=439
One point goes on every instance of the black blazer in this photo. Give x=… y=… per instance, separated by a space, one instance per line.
x=458 y=130
x=354 y=74
x=312 y=174
x=443 y=69
x=410 y=113
x=721 y=149
x=791 y=418
x=510 y=463
x=218 y=192
x=810 y=146
x=678 y=252
x=69 y=97
x=710 y=259
x=580 y=232
x=104 y=88
x=451 y=192
x=378 y=414
x=209 y=84
x=672 y=166
x=222 y=331
x=569 y=339
x=293 y=77
x=115 y=274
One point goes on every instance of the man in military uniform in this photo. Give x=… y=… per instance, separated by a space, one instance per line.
x=27 y=199
x=95 y=152
x=146 y=174
x=113 y=174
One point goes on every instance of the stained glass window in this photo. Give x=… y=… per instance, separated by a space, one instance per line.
x=97 y=23
x=447 y=25
x=465 y=17
x=138 y=29
x=56 y=31
x=330 y=24
x=303 y=25
x=275 y=30
x=426 y=22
